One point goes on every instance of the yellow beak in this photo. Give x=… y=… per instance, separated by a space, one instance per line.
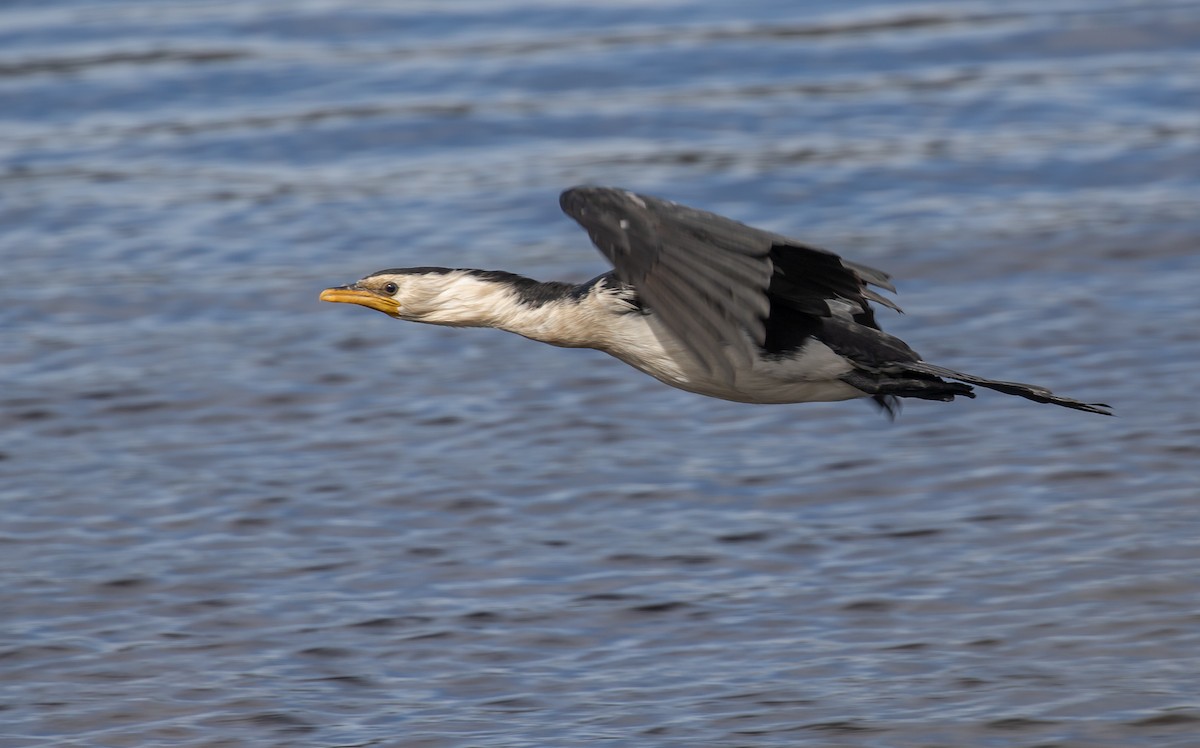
x=369 y=299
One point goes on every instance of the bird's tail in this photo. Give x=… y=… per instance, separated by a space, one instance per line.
x=1027 y=391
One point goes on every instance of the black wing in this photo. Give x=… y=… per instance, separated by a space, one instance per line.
x=712 y=280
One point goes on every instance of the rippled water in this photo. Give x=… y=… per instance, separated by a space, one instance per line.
x=235 y=516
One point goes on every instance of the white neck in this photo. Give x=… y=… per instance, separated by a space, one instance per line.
x=460 y=299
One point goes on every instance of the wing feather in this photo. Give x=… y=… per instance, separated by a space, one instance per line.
x=711 y=280
x=693 y=321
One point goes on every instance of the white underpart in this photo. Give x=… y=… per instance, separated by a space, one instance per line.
x=604 y=321
x=809 y=375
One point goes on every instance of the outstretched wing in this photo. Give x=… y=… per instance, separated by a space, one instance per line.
x=710 y=280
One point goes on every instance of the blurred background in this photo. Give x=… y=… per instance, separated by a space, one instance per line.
x=235 y=516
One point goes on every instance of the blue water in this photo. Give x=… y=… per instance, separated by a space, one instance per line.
x=235 y=516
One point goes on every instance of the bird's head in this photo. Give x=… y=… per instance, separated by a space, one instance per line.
x=403 y=293
x=378 y=292
x=441 y=296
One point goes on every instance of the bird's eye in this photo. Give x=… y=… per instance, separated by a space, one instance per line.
x=390 y=288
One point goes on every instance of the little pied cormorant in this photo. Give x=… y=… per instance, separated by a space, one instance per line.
x=699 y=302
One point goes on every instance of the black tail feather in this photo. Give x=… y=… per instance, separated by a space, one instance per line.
x=886 y=389
x=1027 y=391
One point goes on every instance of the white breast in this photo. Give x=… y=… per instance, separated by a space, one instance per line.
x=809 y=375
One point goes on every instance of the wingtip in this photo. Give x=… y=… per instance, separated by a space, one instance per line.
x=572 y=199
x=575 y=201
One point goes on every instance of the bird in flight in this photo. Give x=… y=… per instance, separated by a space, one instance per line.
x=700 y=302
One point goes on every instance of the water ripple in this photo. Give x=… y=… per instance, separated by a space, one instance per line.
x=342 y=530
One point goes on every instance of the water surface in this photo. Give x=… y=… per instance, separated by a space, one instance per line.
x=235 y=516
